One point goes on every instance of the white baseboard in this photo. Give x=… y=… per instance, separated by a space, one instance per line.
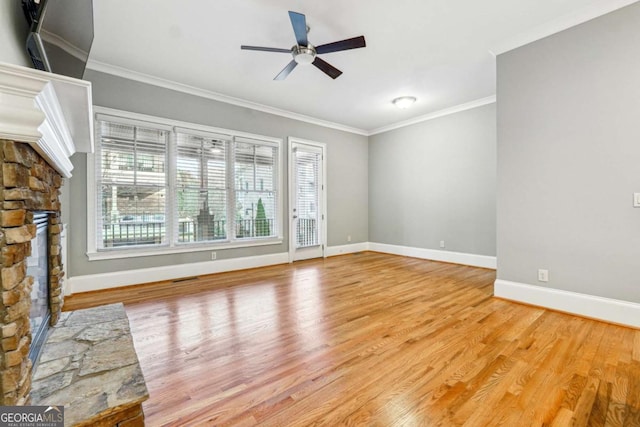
x=436 y=255
x=95 y=282
x=346 y=249
x=594 y=307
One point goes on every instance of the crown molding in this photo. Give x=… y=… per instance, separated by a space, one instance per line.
x=50 y=112
x=191 y=90
x=560 y=24
x=436 y=114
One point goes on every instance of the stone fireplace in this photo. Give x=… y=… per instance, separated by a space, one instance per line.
x=44 y=119
x=27 y=184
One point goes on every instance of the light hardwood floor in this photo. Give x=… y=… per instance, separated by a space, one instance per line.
x=371 y=340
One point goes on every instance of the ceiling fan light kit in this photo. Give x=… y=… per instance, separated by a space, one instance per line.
x=304 y=53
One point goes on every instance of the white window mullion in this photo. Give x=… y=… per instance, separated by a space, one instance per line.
x=231 y=193
x=277 y=167
x=171 y=203
x=135 y=156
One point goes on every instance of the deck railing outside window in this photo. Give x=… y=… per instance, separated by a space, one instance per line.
x=306 y=233
x=153 y=232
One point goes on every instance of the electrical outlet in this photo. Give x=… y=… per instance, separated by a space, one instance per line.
x=213 y=256
x=543 y=275
x=349 y=238
x=442 y=243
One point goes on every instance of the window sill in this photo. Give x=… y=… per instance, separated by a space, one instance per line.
x=166 y=250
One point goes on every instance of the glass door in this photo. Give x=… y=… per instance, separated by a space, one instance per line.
x=306 y=200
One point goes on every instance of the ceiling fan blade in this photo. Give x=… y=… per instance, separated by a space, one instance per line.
x=299 y=23
x=286 y=71
x=353 y=43
x=265 y=49
x=327 y=68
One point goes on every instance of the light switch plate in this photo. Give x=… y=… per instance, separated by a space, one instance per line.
x=636 y=200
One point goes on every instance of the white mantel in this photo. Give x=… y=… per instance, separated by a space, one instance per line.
x=53 y=113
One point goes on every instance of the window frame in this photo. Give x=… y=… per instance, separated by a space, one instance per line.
x=173 y=127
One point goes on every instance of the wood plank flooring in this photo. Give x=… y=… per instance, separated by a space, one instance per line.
x=371 y=340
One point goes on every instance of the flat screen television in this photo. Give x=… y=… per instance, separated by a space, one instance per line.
x=60 y=36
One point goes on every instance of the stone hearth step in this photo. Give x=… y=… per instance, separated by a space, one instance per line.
x=89 y=365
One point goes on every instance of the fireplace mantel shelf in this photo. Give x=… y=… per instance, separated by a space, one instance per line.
x=52 y=113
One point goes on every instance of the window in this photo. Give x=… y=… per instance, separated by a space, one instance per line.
x=255 y=196
x=132 y=185
x=201 y=188
x=166 y=187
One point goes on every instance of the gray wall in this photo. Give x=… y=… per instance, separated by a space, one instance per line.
x=436 y=181
x=347 y=174
x=13 y=34
x=569 y=158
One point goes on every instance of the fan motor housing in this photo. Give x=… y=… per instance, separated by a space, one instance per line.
x=303 y=55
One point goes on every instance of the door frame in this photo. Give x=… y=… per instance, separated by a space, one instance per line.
x=291 y=197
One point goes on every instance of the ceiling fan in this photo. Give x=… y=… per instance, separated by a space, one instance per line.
x=304 y=53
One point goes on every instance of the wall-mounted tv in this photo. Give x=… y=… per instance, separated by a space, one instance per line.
x=61 y=35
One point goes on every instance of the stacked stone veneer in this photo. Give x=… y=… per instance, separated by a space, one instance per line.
x=27 y=184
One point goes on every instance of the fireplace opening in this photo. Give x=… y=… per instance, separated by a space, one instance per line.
x=38 y=268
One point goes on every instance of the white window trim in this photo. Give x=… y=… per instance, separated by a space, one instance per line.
x=104 y=113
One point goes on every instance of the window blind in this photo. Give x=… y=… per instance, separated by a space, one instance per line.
x=255 y=171
x=307 y=164
x=132 y=185
x=201 y=188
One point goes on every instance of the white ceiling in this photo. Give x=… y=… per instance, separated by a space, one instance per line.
x=439 y=51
